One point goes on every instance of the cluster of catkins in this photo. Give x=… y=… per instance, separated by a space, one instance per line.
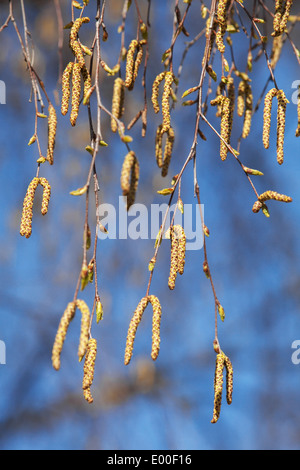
x=163 y=159
x=78 y=71
x=87 y=346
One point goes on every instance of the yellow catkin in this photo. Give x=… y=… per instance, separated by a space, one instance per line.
x=222 y=21
x=61 y=334
x=218 y=387
x=282 y=12
x=268 y=195
x=180 y=234
x=277 y=17
x=156 y=319
x=281 y=117
x=298 y=112
x=134 y=323
x=66 y=78
x=74 y=44
x=117 y=103
x=89 y=369
x=27 y=213
x=137 y=64
x=129 y=73
x=87 y=83
x=174 y=260
x=229 y=380
x=85 y=327
x=130 y=177
x=165 y=103
x=155 y=91
x=46 y=195
x=168 y=151
x=226 y=123
x=245 y=106
x=267 y=116
x=76 y=91
x=158 y=147
x=52 y=125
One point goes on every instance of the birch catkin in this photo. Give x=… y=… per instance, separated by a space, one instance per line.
x=267 y=195
x=129 y=72
x=282 y=12
x=74 y=44
x=61 y=334
x=155 y=91
x=135 y=321
x=156 y=319
x=229 y=379
x=117 y=103
x=218 y=387
x=226 y=123
x=46 y=195
x=52 y=125
x=222 y=21
x=174 y=260
x=85 y=327
x=89 y=369
x=180 y=234
x=76 y=91
x=27 y=214
x=281 y=117
x=158 y=146
x=87 y=84
x=178 y=248
x=267 y=116
x=221 y=362
x=130 y=177
x=66 y=78
x=165 y=103
x=245 y=106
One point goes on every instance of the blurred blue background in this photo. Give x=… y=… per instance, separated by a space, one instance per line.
x=254 y=262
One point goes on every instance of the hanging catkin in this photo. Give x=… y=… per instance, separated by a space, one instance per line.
x=267 y=116
x=130 y=177
x=61 y=334
x=46 y=195
x=134 y=323
x=226 y=123
x=156 y=319
x=165 y=103
x=85 y=327
x=222 y=21
x=117 y=103
x=281 y=118
x=218 y=387
x=129 y=72
x=89 y=369
x=66 y=78
x=74 y=44
x=27 y=214
x=52 y=124
x=76 y=91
